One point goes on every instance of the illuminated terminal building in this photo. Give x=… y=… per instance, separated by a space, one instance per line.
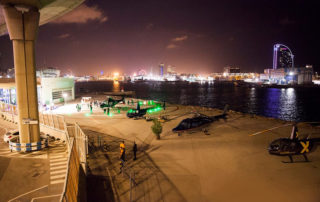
x=232 y=70
x=285 y=76
x=51 y=88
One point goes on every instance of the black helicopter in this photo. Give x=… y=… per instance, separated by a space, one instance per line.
x=140 y=113
x=200 y=121
x=134 y=113
x=292 y=145
x=137 y=113
x=110 y=102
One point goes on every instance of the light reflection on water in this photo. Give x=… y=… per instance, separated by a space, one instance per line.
x=116 y=86
x=300 y=104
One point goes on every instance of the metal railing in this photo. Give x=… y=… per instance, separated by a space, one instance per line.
x=77 y=143
x=54 y=121
x=78 y=150
x=81 y=145
x=71 y=184
x=125 y=170
x=9 y=108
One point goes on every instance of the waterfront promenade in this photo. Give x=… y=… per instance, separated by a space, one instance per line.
x=226 y=165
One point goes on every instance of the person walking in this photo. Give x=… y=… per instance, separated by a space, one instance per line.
x=135 y=149
x=90 y=107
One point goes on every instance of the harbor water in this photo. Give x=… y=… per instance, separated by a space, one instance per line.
x=290 y=104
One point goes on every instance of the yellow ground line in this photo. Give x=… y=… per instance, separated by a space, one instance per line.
x=263 y=131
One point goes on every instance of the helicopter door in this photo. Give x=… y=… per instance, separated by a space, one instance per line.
x=195 y=124
x=287 y=145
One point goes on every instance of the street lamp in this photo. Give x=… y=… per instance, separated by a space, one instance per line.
x=64 y=97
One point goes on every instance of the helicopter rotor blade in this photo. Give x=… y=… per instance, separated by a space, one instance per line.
x=270 y=129
x=310 y=123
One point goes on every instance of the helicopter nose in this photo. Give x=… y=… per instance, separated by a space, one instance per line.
x=273 y=148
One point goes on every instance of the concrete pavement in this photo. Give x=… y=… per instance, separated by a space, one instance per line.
x=226 y=165
x=37 y=175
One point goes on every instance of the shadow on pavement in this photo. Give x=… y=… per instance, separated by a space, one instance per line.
x=106 y=181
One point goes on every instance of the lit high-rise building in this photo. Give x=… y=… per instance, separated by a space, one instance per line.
x=161 y=68
x=282 y=57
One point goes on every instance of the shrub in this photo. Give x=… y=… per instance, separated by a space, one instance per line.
x=156 y=128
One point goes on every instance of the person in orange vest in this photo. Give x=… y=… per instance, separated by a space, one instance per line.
x=122 y=155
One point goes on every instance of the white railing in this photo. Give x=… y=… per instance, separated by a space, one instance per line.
x=82 y=146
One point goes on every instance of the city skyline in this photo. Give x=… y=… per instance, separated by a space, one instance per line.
x=127 y=36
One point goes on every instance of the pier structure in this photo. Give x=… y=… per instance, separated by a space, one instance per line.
x=21 y=21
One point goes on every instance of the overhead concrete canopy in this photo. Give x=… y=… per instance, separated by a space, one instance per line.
x=49 y=9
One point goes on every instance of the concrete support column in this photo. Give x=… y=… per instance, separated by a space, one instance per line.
x=22 y=23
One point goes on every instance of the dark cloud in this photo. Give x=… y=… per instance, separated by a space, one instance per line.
x=180 y=38
x=286 y=21
x=194 y=36
x=172 y=46
x=64 y=36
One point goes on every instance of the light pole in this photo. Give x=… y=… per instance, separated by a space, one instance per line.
x=65 y=98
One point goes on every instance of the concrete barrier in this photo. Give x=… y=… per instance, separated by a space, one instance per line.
x=22 y=147
x=53 y=132
x=53 y=125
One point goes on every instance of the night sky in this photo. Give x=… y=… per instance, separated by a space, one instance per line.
x=200 y=36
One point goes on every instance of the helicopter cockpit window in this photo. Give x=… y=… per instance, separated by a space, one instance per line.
x=275 y=145
x=195 y=124
x=285 y=144
x=184 y=124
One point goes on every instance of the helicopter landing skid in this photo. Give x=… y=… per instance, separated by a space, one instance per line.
x=291 y=160
x=205 y=131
